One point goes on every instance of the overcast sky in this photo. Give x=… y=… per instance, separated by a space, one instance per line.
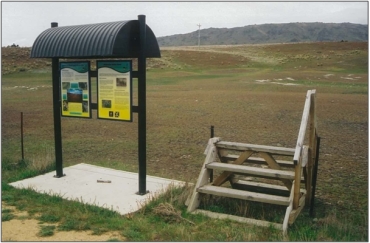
x=22 y=22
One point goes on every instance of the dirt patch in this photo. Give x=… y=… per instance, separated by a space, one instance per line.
x=24 y=228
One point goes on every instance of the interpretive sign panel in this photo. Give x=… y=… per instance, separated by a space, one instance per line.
x=75 y=89
x=114 y=90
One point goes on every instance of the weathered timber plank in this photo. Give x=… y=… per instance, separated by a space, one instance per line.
x=304 y=156
x=302 y=128
x=191 y=186
x=288 y=210
x=309 y=170
x=203 y=177
x=255 y=147
x=286 y=219
x=256 y=160
x=304 y=177
x=260 y=188
x=313 y=128
x=294 y=213
x=261 y=184
x=262 y=176
x=222 y=155
x=274 y=165
x=263 y=187
x=238 y=219
x=194 y=201
x=312 y=146
x=297 y=184
x=225 y=175
x=245 y=195
x=243 y=169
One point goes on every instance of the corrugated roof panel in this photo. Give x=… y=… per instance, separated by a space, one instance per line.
x=73 y=33
x=113 y=39
x=84 y=45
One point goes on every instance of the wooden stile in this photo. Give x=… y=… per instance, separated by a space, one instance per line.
x=264 y=172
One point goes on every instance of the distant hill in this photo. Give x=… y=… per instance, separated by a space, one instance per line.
x=270 y=33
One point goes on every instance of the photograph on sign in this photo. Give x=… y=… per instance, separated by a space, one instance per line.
x=75 y=89
x=114 y=90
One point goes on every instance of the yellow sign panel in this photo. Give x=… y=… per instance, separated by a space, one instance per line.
x=114 y=90
x=75 y=89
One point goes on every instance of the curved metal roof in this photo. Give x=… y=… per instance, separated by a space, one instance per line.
x=113 y=39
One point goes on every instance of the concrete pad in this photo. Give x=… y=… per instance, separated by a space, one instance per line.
x=80 y=183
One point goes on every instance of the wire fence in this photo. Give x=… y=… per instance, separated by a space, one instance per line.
x=98 y=139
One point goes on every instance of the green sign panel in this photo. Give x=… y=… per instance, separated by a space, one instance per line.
x=75 y=89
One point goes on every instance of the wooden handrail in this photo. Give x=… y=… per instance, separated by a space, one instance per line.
x=303 y=153
x=255 y=147
x=303 y=127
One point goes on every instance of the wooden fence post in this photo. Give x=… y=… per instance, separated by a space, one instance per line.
x=312 y=146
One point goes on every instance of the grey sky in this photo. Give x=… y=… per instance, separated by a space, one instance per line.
x=22 y=22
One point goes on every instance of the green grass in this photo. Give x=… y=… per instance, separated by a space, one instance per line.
x=17 y=79
x=113 y=240
x=46 y=230
x=49 y=217
x=6 y=216
x=14 y=170
x=146 y=225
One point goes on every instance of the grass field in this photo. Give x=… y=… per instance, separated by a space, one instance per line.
x=249 y=93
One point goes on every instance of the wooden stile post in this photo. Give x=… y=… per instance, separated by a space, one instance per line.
x=312 y=145
x=309 y=177
x=297 y=184
x=204 y=174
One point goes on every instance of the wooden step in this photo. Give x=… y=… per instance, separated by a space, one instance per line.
x=245 y=195
x=239 y=219
x=256 y=160
x=261 y=187
x=243 y=169
x=255 y=147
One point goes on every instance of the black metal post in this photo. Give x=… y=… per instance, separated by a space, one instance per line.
x=142 y=106
x=22 y=148
x=56 y=113
x=314 y=176
x=212 y=136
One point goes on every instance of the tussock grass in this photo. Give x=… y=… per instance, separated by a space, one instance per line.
x=46 y=230
x=43 y=160
x=6 y=216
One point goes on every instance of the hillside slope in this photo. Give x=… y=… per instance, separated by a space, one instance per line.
x=270 y=33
